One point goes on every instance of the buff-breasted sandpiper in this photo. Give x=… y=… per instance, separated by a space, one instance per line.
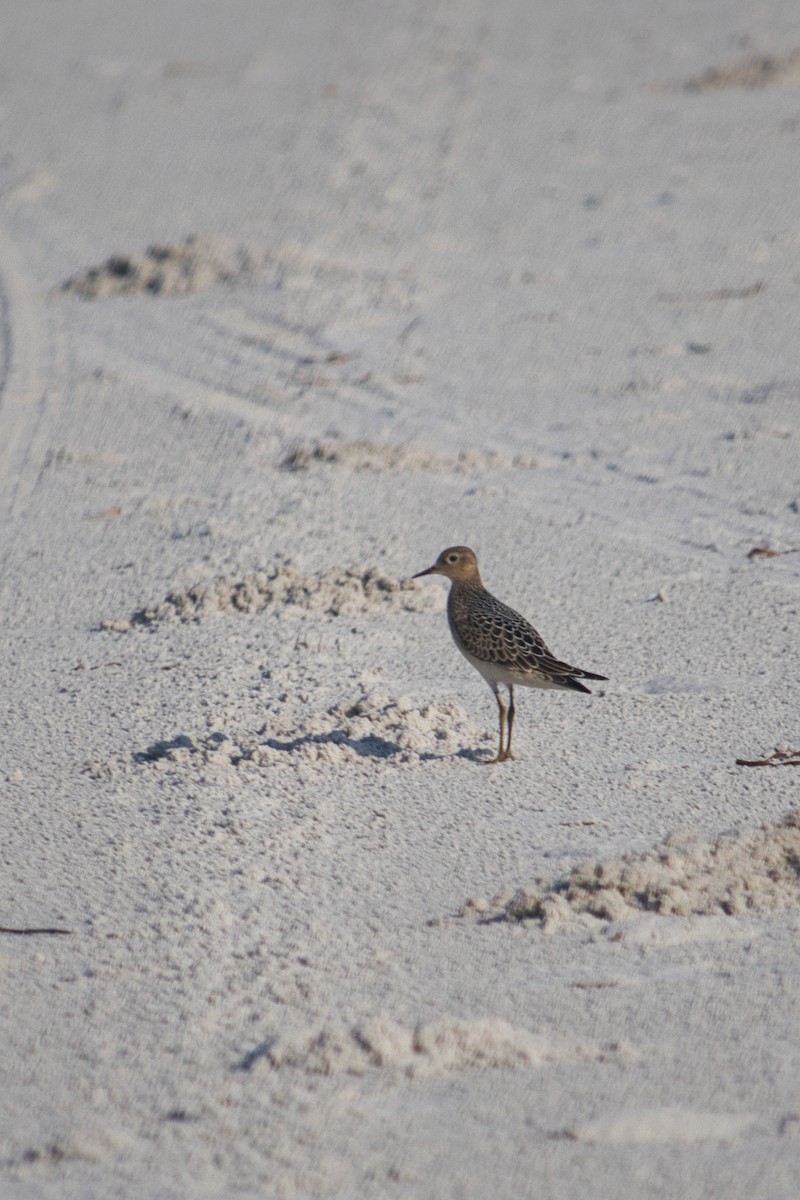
x=498 y=641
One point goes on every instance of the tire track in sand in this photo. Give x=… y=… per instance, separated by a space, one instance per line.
x=28 y=349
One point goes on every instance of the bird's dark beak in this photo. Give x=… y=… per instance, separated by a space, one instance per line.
x=427 y=571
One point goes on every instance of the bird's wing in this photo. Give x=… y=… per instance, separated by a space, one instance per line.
x=516 y=644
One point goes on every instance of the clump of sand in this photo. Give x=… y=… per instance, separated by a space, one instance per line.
x=370 y=456
x=429 y=1048
x=738 y=873
x=760 y=70
x=337 y=592
x=197 y=263
x=369 y=726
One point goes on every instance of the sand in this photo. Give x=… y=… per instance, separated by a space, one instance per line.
x=291 y=298
x=736 y=873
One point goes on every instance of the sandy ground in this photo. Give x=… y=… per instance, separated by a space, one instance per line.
x=292 y=297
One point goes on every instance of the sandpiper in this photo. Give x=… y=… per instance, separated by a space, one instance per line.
x=498 y=641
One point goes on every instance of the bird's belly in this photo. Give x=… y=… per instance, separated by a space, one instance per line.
x=495 y=673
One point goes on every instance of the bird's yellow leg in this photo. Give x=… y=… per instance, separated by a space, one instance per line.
x=511 y=713
x=502 y=752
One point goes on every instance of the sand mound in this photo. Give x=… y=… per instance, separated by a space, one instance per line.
x=761 y=70
x=338 y=592
x=368 y=727
x=432 y=1048
x=755 y=871
x=192 y=265
x=369 y=456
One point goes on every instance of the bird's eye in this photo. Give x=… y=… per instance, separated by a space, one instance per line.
x=452 y=558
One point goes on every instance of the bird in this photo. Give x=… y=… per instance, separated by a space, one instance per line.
x=498 y=641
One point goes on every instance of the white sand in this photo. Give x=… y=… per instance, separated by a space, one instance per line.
x=292 y=297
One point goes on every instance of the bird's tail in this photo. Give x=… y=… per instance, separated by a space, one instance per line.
x=573 y=681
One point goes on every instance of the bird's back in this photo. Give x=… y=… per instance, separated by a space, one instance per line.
x=488 y=631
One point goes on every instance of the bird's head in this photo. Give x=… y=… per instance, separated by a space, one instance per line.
x=457 y=563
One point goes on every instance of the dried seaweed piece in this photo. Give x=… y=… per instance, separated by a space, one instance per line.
x=768 y=552
x=778 y=758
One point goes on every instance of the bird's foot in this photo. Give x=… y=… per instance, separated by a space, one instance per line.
x=498 y=758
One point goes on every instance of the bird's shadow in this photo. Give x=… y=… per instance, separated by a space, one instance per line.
x=163 y=749
x=475 y=756
x=365 y=747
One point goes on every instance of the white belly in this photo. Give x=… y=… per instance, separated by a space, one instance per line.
x=495 y=673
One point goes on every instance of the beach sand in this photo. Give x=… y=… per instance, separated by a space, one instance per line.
x=291 y=298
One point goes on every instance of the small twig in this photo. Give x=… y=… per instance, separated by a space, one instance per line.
x=723 y=293
x=31 y=932
x=778 y=758
x=97 y=666
x=768 y=552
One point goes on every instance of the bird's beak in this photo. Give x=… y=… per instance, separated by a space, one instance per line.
x=427 y=571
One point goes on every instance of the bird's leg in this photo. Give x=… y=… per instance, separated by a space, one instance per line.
x=501 y=755
x=511 y=711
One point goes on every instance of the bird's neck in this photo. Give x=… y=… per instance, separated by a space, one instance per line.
x=460 y=596
x=472 y=584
